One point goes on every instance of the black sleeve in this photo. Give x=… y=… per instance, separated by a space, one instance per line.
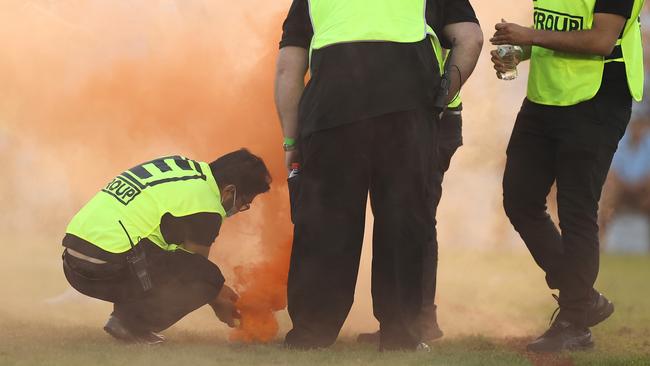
x=201 y=228
x=434 y=15
x=618 y=7
x=440 y=13
x=297 y=29
x=459 y=11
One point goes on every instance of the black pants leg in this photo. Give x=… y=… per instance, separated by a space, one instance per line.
x=340 y=165
x=529 y=174
x=400 y=194
x=573 y=146
x=329 y=218
x=449 y=140
x=182 y=282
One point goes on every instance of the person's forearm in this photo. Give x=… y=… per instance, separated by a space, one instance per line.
x=600 y=40
x=588 y=42
x=289 y=85
x=467 y=41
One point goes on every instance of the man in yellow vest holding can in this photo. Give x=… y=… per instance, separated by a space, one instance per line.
x=142 y=242
x=586 y=67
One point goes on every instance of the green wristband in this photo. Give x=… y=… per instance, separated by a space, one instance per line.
x=288 y=141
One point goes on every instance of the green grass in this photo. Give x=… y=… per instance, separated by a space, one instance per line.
x=491 y=305
x=33 y=345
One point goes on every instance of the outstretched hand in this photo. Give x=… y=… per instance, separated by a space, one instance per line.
x=224 y=306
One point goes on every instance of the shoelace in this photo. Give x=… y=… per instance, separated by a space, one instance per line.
x=557 y=298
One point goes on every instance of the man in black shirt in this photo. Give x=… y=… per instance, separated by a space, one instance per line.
x=177 y=206
x=365 y=123
x=571 y=143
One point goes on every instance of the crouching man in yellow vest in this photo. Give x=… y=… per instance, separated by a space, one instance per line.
x=586 y=66
x=142 y=242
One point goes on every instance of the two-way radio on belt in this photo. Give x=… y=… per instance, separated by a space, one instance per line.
x=440 y=103
x=137 y=261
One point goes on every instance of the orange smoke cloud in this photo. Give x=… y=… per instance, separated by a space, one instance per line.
x=92 y=87
x=263 y=293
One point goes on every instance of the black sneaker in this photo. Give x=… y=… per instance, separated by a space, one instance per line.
x=600 y=309
x=561 y=336
x=151 y=338
x=429 y=323
x=430 y=334
x=423 y=347
x=430 y=328
x=369 y=338
x=116 y=328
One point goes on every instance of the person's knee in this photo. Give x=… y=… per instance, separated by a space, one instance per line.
x=577 y=209
x=522 y=209
x=513 y=207
x=203 y=292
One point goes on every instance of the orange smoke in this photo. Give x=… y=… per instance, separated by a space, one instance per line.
x=263 y=293
x=90 y=88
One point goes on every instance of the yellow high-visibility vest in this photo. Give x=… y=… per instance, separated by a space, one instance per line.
x=564 y=79
x=140 y=196
x=341 y=21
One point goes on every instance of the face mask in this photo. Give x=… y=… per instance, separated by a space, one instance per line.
x=233 y=209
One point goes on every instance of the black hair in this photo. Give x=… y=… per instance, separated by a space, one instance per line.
x=243 y=169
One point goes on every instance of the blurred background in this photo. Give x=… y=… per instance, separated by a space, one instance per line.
x=91 y=87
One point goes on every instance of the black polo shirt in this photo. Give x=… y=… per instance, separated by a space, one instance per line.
x=355 y=81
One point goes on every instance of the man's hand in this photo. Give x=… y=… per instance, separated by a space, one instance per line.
x=291 y=157
x=500 y=66
x=224 y=306
x=511 y=33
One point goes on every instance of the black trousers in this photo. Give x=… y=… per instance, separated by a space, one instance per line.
x=450 y=138
x=572 y=146
x=182 y=282
x=389 y=156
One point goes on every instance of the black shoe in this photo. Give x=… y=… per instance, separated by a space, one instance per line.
x=430 y=328
x=429 y=323
x=116 y=328
x=151 y=338
x=600 y=309
x=561 y=336
x=432 y=333
x=423 y=347
x=369 y=338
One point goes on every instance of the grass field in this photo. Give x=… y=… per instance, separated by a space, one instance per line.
x=491 y=305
